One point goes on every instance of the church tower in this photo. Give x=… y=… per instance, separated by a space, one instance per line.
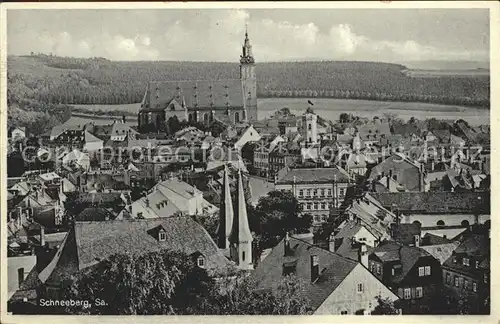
x=241 y=238
x=226 y=214
x=248 y=80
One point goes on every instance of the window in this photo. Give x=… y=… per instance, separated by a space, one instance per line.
x=466 y=261
x=343 y=312
x=485 y=278
x=162 y=236
x=379 y=268
x=407 y=293
x=242 y=255
x=456 y=281
x=428 y=270
x=316 y=218
x=466 y=284
x=421 y=271
x=309 y=126
x=477 y=264
x=322 y=193
x=308 y=192
x=342 y=192
x=200 y=261
x=440 y=223
x=474 y=287
x=301 y=193
x=329 y=192
x=448 y=278
x=419 y=292
x=308 y=206
x=323 y=205
x=315 y=206
x=360 y=288
x=315 y=192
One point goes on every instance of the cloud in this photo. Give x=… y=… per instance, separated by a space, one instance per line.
x=218 y=36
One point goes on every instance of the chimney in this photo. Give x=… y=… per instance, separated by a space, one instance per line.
x=363 y=255
x=314 y=268
x=147 y=202
x=417 y=240
x=42 y=236
x=389 y=181
x=123 y=119
x=287 y=244
x=20 y=276
x=432 y=165
x=421 y=177
x=331 y=241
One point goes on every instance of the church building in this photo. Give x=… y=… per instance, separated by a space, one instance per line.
x=232 y=100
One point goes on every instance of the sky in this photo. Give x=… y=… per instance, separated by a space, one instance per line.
x=385 y=35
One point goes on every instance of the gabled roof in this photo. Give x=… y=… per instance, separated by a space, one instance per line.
x=93 y=214
x=99 y=240
x=333 y=269
x=437 y=202
x=319 y=175
x=195 y=94
x=89 y=138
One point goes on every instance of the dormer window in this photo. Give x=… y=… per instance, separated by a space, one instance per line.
x=200 y=261
x=162 y=236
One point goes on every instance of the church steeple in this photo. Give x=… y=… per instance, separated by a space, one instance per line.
x=247 y=57
x=226 y=213
x=241 y=237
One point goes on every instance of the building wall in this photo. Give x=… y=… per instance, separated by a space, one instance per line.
x=249 y=86
x=347 y=298
x=448 y=219
x=93 y=146
x=318 y=205
x=13 y=265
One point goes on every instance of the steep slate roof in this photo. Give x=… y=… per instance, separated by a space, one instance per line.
x=195 y=94
x=333 y=269
x=474 y=245
x=436 y=202
x=373 y=131
x=405 y=233
x=407 y=255
x=91 y=242
x=92 y=214
x=441 y=251
x=319 y=175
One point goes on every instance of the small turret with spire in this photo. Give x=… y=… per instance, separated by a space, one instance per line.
x=241 y=238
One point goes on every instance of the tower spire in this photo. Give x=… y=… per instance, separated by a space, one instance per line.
x=241 y=237
x=226 y=213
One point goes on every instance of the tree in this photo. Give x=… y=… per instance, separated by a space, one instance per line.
x=386 y=307
x=241 y=296
x=276 y=214
x=173 y=125
x=155 y=283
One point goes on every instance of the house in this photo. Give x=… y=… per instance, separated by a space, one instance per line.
x=335 y=285
x=317 y=190
x=78 y=158
x=282 y=158
x=168 y=198
x=248 y=134
x=410 y=272
x=351 y=234
x=17 y=270
x=88 y=243
x=440 y=213
x=17 y=133
x=466 y=273
x=92 y=143
x=368 y=212
x=407 y=173
x=372 y=133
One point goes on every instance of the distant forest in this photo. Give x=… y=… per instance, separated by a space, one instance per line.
x=46 y=84
x=53 y=79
